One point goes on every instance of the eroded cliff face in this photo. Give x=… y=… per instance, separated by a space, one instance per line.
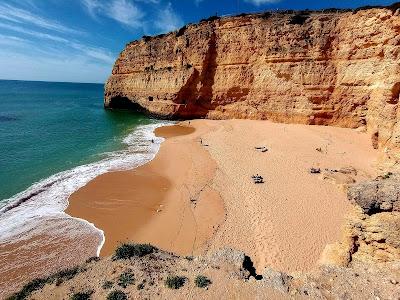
x=326 y=68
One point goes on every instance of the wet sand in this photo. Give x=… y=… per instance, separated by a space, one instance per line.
x=166 y=202
x=54 y=244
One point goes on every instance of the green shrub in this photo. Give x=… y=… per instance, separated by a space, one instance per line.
x=266 y=15
x=117 y=295
x=126 y=279
x=126 y=251
x=159 y=36
x=107 y=285
x=181 y=31
x=39 y=283
x=175 y=282
x=146 y=38
x=210 y=19
x=92 y=259
x=82 y=296
x=140 y=286
x=67 y=274
x=64 y=275
x=299 y=19
x=202 y=281
x=29 y=288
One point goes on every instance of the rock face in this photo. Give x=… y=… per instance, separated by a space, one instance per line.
x=327 y=68
x=377 y=196
x=372 y=233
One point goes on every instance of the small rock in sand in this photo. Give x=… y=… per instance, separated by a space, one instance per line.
x=315 y=170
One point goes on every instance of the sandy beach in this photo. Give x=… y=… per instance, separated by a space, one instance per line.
x=167 y=202
x=286 y=222
x=197 y=195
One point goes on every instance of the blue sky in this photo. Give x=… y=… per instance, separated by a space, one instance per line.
x=79 y=40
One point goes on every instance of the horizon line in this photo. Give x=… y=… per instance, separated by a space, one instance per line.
x=50 y=81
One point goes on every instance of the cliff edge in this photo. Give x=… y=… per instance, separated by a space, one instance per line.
x=330 y=67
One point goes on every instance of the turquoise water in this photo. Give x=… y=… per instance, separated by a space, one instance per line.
x=49 y=127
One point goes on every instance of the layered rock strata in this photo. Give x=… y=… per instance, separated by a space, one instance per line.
x=337 y=68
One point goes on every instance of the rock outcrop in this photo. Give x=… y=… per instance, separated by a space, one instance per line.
x=328 y=68
x=228 y=279
x=372 y=232
x=377 y=196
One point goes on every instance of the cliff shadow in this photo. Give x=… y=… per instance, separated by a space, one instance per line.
x=207 y=76
x=196 y=102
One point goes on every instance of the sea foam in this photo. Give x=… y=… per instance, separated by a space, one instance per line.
x=21 y=214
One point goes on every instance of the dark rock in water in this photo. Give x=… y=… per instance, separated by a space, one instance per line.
x=377 y=196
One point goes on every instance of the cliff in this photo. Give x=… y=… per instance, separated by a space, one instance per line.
x=338 y=68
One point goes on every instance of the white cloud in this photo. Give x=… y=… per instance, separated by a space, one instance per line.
x=92 y=7
x=35 y=47
x=159 y=16
x=261 y=2
x=17 y=15
x=197 y=2
x=149 y=1
x=122 y=11
x=125 y=12
x=95 y=52
x=33 y=33
x=31 y=66
x=167 y=20
x=9 y=40
x=88 y=51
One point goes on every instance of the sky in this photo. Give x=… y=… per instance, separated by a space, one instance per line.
x=79 y=40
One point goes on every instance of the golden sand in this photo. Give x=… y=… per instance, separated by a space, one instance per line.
x=165 y=202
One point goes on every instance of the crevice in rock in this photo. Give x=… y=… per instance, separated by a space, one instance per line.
x=395 y=94
x=354 y=248
x=249 y=266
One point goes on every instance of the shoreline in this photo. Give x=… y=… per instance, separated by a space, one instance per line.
x=145 y=200
x=39 y=210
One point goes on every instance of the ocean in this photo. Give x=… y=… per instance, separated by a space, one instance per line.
x=46 y=128
x=54 y=138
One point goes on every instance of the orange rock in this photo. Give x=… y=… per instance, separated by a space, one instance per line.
x=322 y=68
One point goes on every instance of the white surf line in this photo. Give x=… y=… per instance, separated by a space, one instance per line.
x=38 y=202
x=126 y=139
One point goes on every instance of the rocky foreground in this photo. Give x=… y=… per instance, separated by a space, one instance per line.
x=327 y=67
x=364 y=265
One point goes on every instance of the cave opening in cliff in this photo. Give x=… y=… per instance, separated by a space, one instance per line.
x=120 y=102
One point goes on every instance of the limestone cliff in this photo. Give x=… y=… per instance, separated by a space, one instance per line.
x=330 y=67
